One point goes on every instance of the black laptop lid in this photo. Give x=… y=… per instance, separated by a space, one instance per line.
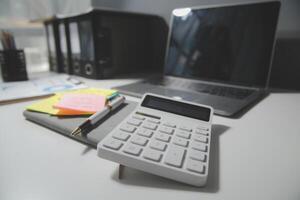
x=229 y=44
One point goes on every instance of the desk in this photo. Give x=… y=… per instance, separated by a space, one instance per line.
x=255 y=157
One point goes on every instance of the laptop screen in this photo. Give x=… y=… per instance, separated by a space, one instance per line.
x=229 y=44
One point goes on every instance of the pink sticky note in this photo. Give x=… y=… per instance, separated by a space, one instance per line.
x=90 y=103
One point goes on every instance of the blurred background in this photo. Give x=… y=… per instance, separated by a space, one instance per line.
x=16 y=14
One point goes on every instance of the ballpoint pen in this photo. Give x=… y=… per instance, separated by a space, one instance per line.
x=93 y=119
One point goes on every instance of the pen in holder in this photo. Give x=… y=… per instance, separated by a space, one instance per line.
x=13 y=65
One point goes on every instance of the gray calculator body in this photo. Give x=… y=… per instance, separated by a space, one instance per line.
x=163 y=136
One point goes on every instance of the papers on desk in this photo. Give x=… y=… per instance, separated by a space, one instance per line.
x=26 y=90
x=76 y=102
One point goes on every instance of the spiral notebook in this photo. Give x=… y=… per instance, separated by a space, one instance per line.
x=65 y=125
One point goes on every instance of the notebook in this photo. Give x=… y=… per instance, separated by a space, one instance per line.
x=65 y=125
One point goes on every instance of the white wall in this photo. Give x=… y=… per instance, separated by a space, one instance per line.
x=32 y=9
x=13 y=15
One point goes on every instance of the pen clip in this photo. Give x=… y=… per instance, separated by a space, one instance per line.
x=115 y=102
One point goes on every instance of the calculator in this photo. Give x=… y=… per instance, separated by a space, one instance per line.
x=163 y=136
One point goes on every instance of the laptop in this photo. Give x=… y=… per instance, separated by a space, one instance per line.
x=217 y=55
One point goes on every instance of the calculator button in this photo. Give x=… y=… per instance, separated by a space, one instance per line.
x=200 y=138
x=150 y=126
x=170 y=124
x=180 y=142
x=128 y=128
x=155 y=121
x=134 y=122
x=112 y=144
x=132 y=149
x=138 y=117
x=166 y=130
x=158 y=145
x=183 y=134
x=121 y=136
x=144 y=132
x=174 y=156
x=152 y=155
x=202 y=132
x=202 y=128
x=197 y=155
x=185 y=128
x=199 y=146
x=162 y=137
x=139 y=140
x=195 y=166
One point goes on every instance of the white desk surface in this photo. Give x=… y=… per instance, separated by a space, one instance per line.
x=255 y=157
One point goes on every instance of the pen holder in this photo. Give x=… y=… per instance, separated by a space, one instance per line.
x=13 y=65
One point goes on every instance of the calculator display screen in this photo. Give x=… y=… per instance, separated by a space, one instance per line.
x=176 y=107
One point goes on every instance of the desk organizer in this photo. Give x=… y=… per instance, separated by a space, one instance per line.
x=13 y=65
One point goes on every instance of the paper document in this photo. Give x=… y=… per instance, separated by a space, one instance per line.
x=15 y=91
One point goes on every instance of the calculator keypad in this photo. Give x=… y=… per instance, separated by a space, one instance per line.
x=163 y=136
x=163 y=142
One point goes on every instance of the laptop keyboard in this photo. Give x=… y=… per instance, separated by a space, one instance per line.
x=229 y=92
x=221 y=91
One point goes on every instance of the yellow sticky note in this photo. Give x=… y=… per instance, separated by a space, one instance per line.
x=46 y=105
x=104 y=92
